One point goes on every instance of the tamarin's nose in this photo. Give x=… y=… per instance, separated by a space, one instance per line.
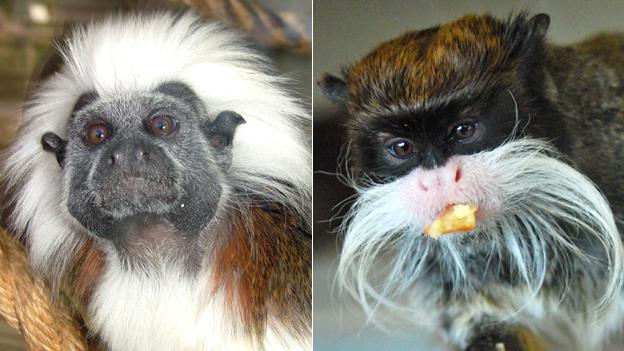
x=128 y=154
x=440 y=177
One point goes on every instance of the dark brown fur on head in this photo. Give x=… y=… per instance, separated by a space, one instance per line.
x=419 y=66
x=429 y=79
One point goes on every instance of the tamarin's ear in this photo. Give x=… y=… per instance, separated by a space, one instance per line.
x=333 y=88
x=221 y=130
x=54 y=144
x=531 y=56
x=539 y=25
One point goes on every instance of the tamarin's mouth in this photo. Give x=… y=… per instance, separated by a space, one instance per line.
x=454 y=218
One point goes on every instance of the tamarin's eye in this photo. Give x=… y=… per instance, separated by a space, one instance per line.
x=401 y=148
x=96 y=133
x=162 y=125
x=463 y=130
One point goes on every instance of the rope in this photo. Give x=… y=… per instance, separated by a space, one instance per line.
x=275 y=30
x=26 y=305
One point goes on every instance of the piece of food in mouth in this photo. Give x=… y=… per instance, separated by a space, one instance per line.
x=455 y=218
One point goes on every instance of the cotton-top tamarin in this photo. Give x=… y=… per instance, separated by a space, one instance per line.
x=162 y=179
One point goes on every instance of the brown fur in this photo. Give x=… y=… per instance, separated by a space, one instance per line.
x=586 y=80
x=418 y=65
x=264 y=267
x=86 y=270
x=79 y=284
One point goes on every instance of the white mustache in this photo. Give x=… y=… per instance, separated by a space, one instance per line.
x=544 y=203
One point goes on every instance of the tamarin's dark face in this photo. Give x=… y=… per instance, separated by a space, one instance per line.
x=421 y=104
x=457 y=89
x=145 y=158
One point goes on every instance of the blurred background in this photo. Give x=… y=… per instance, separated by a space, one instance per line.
x=344 y=31
x=28 y=29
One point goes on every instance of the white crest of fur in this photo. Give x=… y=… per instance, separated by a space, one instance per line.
x=536 y=190
x=137 y=53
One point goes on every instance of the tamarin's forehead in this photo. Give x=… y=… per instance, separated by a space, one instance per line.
x=418 y=66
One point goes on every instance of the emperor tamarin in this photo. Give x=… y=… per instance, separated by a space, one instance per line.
x=486 y=112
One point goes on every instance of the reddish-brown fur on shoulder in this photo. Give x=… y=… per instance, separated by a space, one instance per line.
x=79 y=284
x=84 y=274
x=410 y=69
x=264 y=267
